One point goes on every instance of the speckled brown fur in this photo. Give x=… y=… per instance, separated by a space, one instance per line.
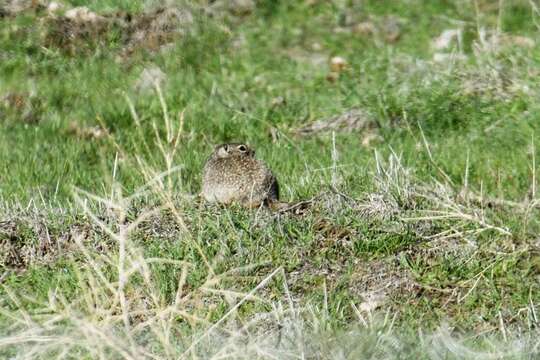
x=233 y=174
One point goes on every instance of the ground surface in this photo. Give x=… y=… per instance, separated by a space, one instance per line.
x=411 y=126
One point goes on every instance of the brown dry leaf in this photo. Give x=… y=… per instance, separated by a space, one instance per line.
x=349 y=121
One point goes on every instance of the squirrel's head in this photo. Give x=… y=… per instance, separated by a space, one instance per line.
x=234 y=149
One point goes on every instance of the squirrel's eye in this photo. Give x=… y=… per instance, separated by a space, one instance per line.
x=242 y=148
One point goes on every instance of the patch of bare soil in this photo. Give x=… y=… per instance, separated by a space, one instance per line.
x=75 y=32
x=385 y=281
x=31 y=241
x=376 y=282
x=35 y=238
x=349 y=121
x=153 y=30
x=80 y=29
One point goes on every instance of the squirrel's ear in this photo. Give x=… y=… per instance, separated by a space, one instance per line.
x=223 y=151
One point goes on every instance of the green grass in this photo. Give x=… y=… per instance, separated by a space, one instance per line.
x=470 y=125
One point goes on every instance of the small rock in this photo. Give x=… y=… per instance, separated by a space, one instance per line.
x=338 y=64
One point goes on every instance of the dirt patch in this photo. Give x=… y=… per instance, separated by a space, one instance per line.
x=74 y=36
x=80 y=30
x=349 y=121
x=31 y=241
x=151 y=31
x=34 y=237
x=377 y=281
x=11 y=256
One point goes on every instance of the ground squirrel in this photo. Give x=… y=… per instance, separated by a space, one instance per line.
x=232 y=174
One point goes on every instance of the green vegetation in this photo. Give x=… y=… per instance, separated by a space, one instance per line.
x=424 y=209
